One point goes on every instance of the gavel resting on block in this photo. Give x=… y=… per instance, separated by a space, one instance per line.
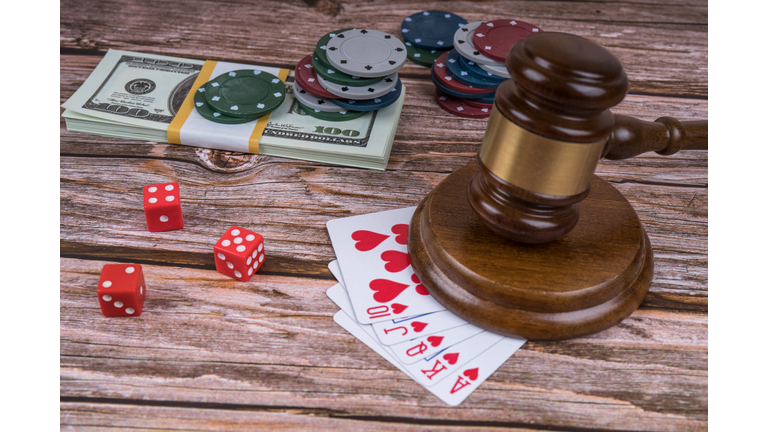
x=528 y=241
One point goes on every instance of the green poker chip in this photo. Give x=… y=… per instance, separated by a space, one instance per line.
x=330 y=116
x=245 y=93
x=322 y=44
x=422 y=56
x=205 y=111
x=338 y=77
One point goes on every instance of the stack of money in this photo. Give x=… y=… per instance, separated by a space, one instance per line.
x=144 y=97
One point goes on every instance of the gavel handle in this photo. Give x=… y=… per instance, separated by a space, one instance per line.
x=665 y=136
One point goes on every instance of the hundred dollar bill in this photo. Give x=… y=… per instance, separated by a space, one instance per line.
x=136 y=96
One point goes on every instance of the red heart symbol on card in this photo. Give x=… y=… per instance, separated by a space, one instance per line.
x=402 y=233
x=451 y=358
x=396 y=261
x=419 y=288
x=435 y=340
x=471 y=373
x=367 y=240
x=397 y=308
x=418 y=326
x=386 y=290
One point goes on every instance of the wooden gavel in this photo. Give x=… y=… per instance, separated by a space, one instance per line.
x=528 y=241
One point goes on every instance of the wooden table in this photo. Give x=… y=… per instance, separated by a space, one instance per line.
x=211 y=353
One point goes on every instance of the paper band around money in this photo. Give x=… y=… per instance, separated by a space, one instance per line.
x=462 y=42
x=245 y=93
x=313 y=102
x=366 y=53
x=364 y=92
x=372 y=104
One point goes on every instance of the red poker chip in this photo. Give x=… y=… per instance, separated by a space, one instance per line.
x=494 y=39
x=457 y=106
x=474 y=103
x=445 y=78
x=307 y=78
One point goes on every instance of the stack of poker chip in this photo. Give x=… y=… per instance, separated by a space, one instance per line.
x=466 y=77
x=239 y=96
x=351 y=72
x=429 y=34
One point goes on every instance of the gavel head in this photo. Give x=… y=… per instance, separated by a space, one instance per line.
x=546 y=133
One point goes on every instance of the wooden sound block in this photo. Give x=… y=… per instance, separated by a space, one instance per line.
x=580 y=284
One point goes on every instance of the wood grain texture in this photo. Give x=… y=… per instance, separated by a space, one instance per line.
x=210 y=353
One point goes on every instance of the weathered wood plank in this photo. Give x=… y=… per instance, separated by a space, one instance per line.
x=664 y=51
x=271 y=342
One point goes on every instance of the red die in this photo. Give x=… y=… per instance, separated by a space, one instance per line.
x=121 y=290
x=162 y=207
x=239 y=253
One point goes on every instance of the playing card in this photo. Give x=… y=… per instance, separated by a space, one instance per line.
x=373 y=256
x=426 y=346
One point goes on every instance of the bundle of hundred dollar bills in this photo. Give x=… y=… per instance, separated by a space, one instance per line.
x=144 y=97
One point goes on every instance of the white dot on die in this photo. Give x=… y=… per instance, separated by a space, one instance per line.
x=250 y=237
x=255 y=264
x=240 y=248
x=238 y=274
x=107 y=298
x=118 y=304
x=141 y=290
x=130 y=270
x=250 y=271
x=152 y=189
x=238 y=240
x=235 y=232
x=261 y=246
x=129 y=311
x=152 y=200
x=163 y=218
x=253 y=255
x=170 y=198
x=261 y=258
x=107 y=284
x=230 y=265
x=249 y=261
x=226 y=243
x=169 y=187
x=220 y=255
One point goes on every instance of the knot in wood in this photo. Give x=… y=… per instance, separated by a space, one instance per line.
x=226 y=161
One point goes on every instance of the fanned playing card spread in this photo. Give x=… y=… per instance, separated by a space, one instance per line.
x=384 y=306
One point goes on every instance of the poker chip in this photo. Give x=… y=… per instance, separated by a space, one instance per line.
x=431 y=29
x=493 y=39
x=421 y=56
x=330 y=116
x=307 y=79
x=461 y=75
x=484 y=97
x=372 y=104
x=459 y=108
x=476 y=103
x=496 y=70
x=322 y=46
x=245 y=93
x=475 y=69
x=440 y=72
x=462 y=42
x=360 y=92
x=206 y=112
x=336 y=76
x=366 y=53
x=312 y=102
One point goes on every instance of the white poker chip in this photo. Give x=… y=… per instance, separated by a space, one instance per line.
x=314 y=102
x=496 y=70
x=366 y=53
x=362 y=92
x=462 y=42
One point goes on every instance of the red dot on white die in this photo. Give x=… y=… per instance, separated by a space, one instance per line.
x=261 y=246
x=107 y=297
x=129 y=311
x=249 y=261
x=230 y=265
x=152 y=200
x=130 y=270
x=226 y=243
x=170 y=198
x=169 y=187
x=240 y=248
x=250 y=237
x=107 y=284
x=118 y=304
x=163 y=218
x=238 y=274
x=238 y=240
x=152 y=189
x=250 y=271
x=261 y=258
x=221 y=255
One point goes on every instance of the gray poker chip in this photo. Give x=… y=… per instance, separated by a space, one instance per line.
x=366 y=53
x=496 y=70
x=314 y=102
x=462 y=42
x=362 y=92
